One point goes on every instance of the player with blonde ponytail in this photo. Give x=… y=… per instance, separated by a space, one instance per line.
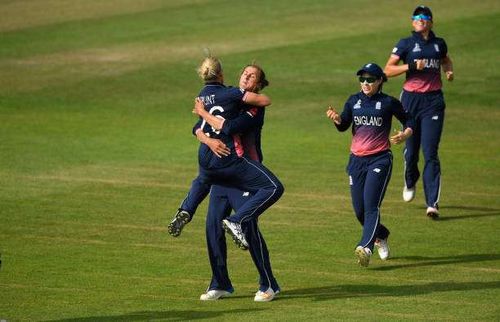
x=227 y=163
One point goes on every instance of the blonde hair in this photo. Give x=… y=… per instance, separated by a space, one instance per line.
x=210 y=69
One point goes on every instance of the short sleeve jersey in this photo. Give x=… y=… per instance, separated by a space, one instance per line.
x=432 y=51
x=371 y=119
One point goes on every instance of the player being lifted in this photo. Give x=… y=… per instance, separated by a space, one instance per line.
x=223 y=162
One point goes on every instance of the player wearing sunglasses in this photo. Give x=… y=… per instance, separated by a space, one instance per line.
x=423 y=56
x=370 y=163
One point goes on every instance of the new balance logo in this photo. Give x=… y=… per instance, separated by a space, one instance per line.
x=435 y=117
x=416 y=48
x=246 y=194
x=378 y=106
x=377 y=170
x=436 y=47
x=357 y=105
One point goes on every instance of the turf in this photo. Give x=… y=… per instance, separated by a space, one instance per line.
x=96 y=154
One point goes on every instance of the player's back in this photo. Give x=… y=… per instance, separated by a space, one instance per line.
x=224 y=102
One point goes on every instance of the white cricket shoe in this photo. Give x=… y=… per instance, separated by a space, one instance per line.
x=363 y=254
x=266 y=296
x=408 y=194
x=432 y=213
x=382 y=248
x=234 y=229
x=214 y=295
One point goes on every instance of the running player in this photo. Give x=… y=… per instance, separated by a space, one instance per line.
x=370 y=164
x=423 y=56
x=235 y=170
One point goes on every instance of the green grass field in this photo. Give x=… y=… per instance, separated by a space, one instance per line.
x=96 y=155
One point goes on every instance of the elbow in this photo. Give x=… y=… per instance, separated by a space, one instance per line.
x=341 y=128
x=388 y=71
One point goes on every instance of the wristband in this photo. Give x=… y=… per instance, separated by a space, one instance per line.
x=412 y=66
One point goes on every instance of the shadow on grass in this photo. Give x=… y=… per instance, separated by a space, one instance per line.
x=473 y=212
x=484 y=212
x=363 y=290
x=174 y=315
x=421 y=261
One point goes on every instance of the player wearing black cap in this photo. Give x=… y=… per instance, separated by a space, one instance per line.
x=423 y=56
x=370 y=164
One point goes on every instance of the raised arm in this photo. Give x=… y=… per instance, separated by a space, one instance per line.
x=255 y=99
x=248 y=119
x=341 y=121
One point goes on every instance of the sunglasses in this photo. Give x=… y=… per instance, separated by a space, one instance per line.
x=369 y=80
x=422 y=17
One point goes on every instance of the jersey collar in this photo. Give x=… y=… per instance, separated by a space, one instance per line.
x=418 y=35
x=374 y=96
x=214 y=83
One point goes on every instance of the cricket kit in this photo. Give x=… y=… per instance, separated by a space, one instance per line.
x=223 y=200
x=370 y=161
x=236 y=170
x=423 y=99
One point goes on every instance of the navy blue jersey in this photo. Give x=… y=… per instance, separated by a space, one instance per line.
x=431 y=51
x=371 y=119
x=224 y=102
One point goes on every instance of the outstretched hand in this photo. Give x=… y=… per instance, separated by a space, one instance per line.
x=333 y=115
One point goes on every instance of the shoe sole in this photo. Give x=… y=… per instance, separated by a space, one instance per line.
x=174 y=231
x=235 y=238
x=363 y=258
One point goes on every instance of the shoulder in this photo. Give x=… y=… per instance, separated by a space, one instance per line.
x=235 y=90
x=391 y=100
x=405 y=41
x=354 y=98
x=387 y=98
x=402 y=45
x=439 y=40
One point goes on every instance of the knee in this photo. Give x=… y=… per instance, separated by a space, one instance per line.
x=279 y=190
x=431 y=154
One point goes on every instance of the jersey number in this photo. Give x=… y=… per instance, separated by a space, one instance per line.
x=213 y=110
